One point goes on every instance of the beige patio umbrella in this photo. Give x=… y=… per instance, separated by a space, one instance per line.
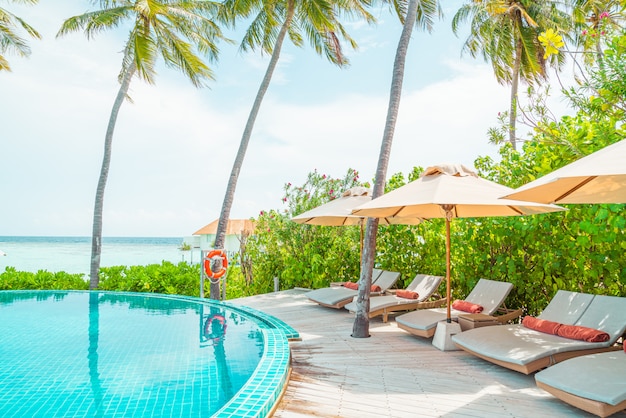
x=450 y=191
x=599 y=177
x=338 y=212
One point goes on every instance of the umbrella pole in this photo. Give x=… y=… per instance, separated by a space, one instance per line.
x=449 y=317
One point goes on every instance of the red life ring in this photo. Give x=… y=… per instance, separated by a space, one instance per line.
x=207 y=264
x=220 y=332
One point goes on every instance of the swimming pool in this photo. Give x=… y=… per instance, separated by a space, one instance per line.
x=127 y=354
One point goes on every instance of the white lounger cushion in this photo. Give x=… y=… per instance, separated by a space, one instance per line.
x=424 y=285
x=426 y=319
x=599 y=377
x=606 y=313
x=331 y=295
x=339 y=295
x=487 y=293
x=520 y=345
x=566 y=307
x=517 y=344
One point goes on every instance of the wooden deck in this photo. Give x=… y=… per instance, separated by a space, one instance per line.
x=392 y=373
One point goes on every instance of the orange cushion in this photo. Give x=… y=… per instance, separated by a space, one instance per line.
x=576 y=332
x=462 y=305
x=541 y=325
x=407 y=294
x=355 y=286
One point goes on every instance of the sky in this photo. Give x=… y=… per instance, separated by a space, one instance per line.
x=174 y=145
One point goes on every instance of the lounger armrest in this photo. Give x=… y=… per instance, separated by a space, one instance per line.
x=336 y=284
x=504 y=316
x=435 y=303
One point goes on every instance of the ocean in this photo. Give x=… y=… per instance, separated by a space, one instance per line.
x=72 y=254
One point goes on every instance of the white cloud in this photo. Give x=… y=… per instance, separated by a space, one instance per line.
x=175 y=145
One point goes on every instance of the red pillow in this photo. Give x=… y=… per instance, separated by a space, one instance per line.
x=355 y=286
x=541 y=325
x=576 y=332
x=462 y=305
x=407 y=294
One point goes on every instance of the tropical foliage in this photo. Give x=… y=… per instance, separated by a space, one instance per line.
x=10 y=39
x=506 y=33
x=12 y=279
x=304 y=255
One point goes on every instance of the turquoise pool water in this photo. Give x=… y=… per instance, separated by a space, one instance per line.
x=77 y=354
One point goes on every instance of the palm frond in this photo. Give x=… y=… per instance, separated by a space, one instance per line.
x=95 y=22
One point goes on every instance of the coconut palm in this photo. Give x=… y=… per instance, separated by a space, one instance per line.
x=180 y=31
x=10 y=41
x=271 y=22
x=505 y=32
x=418 y=13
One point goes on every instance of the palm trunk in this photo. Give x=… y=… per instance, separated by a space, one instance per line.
x=96 y=237
x=361 y=325
x=220 y=237
x=514 y=88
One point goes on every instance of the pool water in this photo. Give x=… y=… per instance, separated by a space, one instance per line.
x=101 y=354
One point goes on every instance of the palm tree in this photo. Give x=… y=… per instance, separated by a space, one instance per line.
x=419 y=13
x=272 y=21
x=177 y=30
x=505 y=32
x=10 y=41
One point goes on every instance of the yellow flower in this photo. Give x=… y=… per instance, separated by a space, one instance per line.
x=551 y=42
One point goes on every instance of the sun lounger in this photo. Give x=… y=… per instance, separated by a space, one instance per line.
x=424 y=285
x=490 y=294
x=338 y=296
x=527 y=350
x=595 y=383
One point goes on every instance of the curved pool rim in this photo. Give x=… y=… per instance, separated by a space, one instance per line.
x=261 y=393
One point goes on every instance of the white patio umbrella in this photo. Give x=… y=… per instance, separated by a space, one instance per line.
x=338 y=212
x=599 y=177
x=450 y=191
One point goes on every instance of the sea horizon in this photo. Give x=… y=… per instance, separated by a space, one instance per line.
x=72 y=254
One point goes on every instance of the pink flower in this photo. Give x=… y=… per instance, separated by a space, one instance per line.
x=323 y=176
x=284 y=199
x=604 y=15
x=585 y=32
x=262 y=213
x=331 y=191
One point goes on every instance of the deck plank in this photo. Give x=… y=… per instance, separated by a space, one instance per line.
x=392 y=374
